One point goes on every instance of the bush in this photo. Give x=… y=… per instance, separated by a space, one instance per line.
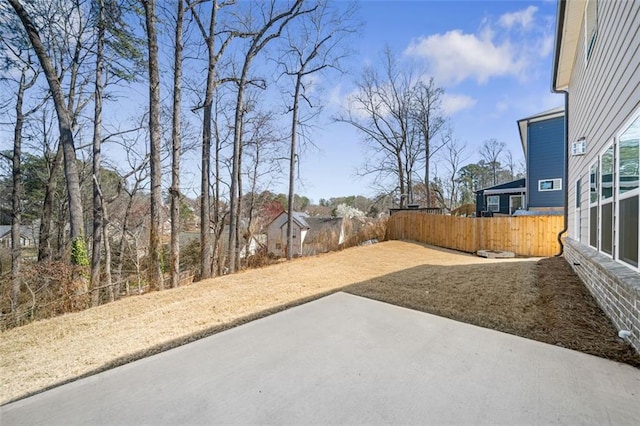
x=47 y=290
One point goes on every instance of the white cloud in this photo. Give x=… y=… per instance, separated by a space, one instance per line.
x=524 y=18
x=455 y=56
x=508 y=46
x=452 y=103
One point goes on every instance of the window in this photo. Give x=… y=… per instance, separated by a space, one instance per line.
x=606 y=201
x=493 y=203
x=550 y=185
x=628 y=191
x=593 y=206
x=591 y=27
x=294 y=232
x=278 y=246
x=614 y=196
x=516 y=202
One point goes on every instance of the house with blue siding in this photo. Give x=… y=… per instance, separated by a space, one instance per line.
x=542 y=192
x=542 y=137
x=503 y=199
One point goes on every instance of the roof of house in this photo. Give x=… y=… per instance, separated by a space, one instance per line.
x=25 y=231
x=567 y=39
x=299 y=218
x=515 y=186
x=545 y=115
x=320 y=227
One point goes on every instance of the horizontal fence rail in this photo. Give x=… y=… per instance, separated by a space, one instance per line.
x=523 y=235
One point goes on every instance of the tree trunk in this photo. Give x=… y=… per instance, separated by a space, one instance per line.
x=111 y=294
x=64 y=124
x=175 y=157
x=154 y=271
x=44 y=243
x=427 y=163
x=205 y=205
x=97 y=139
x=292 y=166
x=235 y=169
x=16 y=194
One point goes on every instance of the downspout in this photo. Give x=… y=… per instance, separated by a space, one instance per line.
x=559 y=26
x=566 y=169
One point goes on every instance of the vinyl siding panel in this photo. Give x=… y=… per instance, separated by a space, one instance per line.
x=603 y=94
x=545 y=160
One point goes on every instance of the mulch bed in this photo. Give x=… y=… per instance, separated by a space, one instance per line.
x=572 y=318
x=550 y=304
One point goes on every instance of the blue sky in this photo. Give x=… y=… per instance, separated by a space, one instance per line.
x=493 y=59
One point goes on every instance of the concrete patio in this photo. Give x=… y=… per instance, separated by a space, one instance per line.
x=345 y=359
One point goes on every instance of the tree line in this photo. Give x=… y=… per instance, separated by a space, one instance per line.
x=231 y=83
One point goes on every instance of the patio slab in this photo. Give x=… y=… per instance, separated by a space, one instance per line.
x=345 y=359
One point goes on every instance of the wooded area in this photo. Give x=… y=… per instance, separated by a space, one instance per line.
x=522 y=235
x=110 y=104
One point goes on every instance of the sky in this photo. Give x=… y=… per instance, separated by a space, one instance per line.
x=492 y=58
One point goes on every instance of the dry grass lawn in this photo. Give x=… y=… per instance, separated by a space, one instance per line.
x=501 y=294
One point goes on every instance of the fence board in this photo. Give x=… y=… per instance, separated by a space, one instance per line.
x=523 y=235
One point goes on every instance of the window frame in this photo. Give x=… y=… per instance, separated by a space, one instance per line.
x=594 y=204
x=590 y=29
x=490 y=204
x=627 y=194
x=610 y=200
x=553 y=181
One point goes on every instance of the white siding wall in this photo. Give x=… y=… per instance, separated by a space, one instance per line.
x=274 y=236
x=603 y=94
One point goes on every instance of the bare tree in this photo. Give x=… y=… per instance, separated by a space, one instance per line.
x=97 y=135
x=270 y=29
x=175 y=148
x=429 y=119
x=16 y=53
x=314 y=46
x=28 y=77
x=490 y=152
x=155 y=250
x=209 y=36
x=381 y=109
x=65 y=124
x=454 y=154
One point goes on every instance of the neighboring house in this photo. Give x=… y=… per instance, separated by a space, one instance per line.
x=542 y=191
x=325 y=233
x=311 y=235
x=504 y=199
x=597 y=65
x=28 y=236
x=542 y=137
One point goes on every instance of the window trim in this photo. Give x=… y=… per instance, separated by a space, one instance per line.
x=602 y=202
x=553 y=184
x=628 y=194
x=596 y=203
x=511 y=197
x=490 y=204
x=590 y=37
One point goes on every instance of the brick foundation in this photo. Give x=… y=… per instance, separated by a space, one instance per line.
x=615 y=287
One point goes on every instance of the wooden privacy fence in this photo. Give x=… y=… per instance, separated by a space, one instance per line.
x=523 y=235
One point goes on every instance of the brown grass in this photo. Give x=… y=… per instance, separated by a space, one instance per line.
x=500 y=294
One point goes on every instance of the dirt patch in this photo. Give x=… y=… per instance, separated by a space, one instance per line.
x=510 y=295
x=572 y=318
x=544 y=301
